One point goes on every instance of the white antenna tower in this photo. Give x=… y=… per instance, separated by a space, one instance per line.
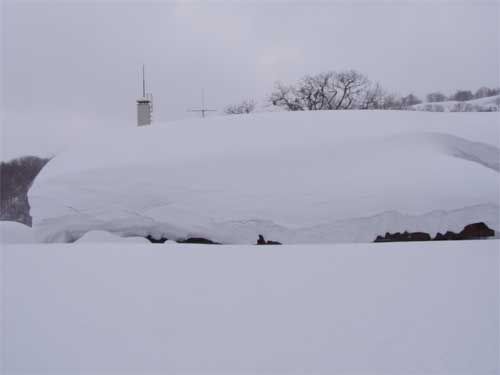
x=144 y=104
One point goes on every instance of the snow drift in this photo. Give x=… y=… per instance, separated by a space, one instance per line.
x=97 y=236
x=326 y=176
x=13 y=232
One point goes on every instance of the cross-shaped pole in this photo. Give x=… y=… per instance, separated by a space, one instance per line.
x=202 y=110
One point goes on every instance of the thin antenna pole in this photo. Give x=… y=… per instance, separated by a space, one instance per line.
x=143 y=82
x=203 y=102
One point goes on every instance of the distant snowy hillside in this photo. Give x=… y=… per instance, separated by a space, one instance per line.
x=487 y=104
x=306 y=177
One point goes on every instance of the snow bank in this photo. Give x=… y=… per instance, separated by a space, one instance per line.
x=12 y=232
x=294 y=177
x=97 y=236
x=406 y=309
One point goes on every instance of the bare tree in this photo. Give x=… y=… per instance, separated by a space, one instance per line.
x=319 y=92
x=435 y=97
x=328 y=90
x=316 y=92
x=483 y=92
x=392 y=101
x=285 y=97
x=410 y=100
x=372 y=98
x=245 y=107
x=351 y=86
x=463 y=95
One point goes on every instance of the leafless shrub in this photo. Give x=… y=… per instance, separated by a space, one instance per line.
x=245 y=107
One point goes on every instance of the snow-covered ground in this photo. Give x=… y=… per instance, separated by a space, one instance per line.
x=490 y=103
x=311 y=177
x=12 y=232
x=97 y=236
x=426 y=308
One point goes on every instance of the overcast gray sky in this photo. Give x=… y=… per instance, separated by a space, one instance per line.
x=73 y=63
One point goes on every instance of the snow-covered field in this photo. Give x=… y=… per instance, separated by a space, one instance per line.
x=109 y=304
x=310 y=177
x=391 y=309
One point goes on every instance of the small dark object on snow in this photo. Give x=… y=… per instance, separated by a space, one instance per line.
x=198 y=240
x=156 y=240
x=262 y=241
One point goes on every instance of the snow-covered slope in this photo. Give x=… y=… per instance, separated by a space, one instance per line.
x=97 y=236
x=380 y=309
x=294 y=177
x=487 y=104
x=12 y=232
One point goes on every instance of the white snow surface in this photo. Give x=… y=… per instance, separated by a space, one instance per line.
x=301 y=177
x=99 y=236
x=13 y=232
x=388 y=309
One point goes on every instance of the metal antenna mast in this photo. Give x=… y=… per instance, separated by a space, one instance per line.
x=143 y=83
x=202 y=110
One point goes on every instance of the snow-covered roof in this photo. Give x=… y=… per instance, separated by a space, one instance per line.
x=143 y=99
x=323 y=176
